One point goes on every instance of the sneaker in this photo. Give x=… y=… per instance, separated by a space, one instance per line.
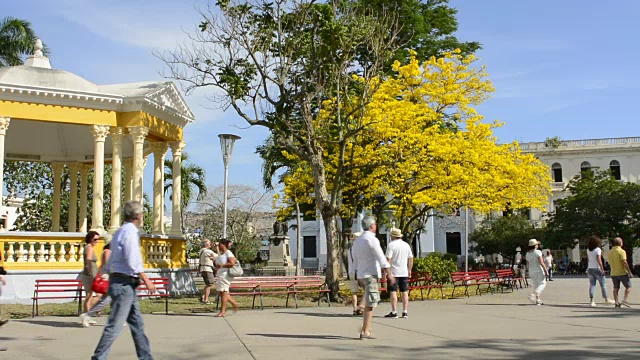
x=539 y=302
x=367 y=337
x=593 y=303
x=532 y=298
x=609 y=302
x=85 y=320
x=405 y=315
x=392 y=315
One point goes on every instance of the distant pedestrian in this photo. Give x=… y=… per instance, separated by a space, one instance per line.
x=86 y=319
x=620 y=272
x=126 y=270
x=3 y=318
x=358 y=308
x=537 y=271
x=595 y=270
x=207 y=257
x=225 y=261
x=400 y=258
x=548 y=262
x=368 y=261
x=90 y=270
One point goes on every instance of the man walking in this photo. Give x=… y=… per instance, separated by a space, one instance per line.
x=400 y=257
x=368 y=261
x=620 y=272
x=207 y=257
x=358 y=309
x=126 y=273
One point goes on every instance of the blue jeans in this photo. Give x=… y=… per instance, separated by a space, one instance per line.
x=124 y=307
x=597 y=275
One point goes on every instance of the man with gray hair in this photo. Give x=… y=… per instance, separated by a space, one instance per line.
x=368 y=261
x=126 y=270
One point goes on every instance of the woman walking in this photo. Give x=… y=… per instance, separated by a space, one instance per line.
x=90 y=270
x=537 y=271
x=548 y=261
x=86 y=318
x=223 y=263
x=595 y=270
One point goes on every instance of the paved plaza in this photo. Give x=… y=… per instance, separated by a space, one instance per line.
x=487 y=327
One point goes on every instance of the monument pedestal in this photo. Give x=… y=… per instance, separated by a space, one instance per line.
x=280 y=263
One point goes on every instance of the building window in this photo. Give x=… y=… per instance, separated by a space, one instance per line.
x=585 y=166
x=454 y=243
x=556 y=171
x=309 y=247
x=614 y=166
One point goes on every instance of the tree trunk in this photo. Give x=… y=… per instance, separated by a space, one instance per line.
x=327 y=209
x=347 y=224
x=298 y=241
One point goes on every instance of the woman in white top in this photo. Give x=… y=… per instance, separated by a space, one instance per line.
x=537 y=271
x=223 y=263
x=548 y=261
x=595 y=270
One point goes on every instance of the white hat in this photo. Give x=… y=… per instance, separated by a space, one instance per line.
x=396 y=233
x=534 y=242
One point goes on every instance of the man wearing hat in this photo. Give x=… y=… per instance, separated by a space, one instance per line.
x=400 y=257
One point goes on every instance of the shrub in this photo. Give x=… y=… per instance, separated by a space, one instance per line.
x=439 y=268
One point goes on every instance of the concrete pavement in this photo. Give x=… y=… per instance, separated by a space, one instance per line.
x=487 y=327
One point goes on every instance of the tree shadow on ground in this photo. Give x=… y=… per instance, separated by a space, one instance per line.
x=324 y=315
x=565 y=348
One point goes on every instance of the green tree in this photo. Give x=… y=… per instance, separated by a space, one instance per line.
x=503 y=234
x=598 y=205
x=16 y=40
x=428 y=28
x=193 y=183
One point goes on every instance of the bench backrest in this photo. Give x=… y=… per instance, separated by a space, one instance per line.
x=161 y=284
x=59 y=284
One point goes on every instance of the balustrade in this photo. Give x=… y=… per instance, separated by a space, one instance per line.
x=52 y=251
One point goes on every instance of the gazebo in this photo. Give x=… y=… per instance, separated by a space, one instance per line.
x=56 y=116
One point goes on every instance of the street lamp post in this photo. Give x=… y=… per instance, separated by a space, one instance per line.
x=226 y=143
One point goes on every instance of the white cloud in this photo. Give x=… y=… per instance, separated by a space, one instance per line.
x=147 y=24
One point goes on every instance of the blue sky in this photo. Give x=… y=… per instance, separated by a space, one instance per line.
x=561 y=68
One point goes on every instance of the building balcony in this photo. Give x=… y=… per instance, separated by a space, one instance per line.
x=557 y=186
x=599 y=144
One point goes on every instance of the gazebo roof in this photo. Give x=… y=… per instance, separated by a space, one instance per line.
x=50 y=101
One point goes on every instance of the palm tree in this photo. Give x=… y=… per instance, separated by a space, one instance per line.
x=16 y=39
x=193 y=183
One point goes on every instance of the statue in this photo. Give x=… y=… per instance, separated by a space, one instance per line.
x=280 y=228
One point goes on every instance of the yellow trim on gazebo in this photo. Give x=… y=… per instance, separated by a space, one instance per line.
x=159 y=128
x=57 y=113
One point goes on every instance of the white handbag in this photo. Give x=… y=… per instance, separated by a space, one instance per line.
x=236 y=270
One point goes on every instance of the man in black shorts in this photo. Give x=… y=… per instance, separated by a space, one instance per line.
x=400 y=257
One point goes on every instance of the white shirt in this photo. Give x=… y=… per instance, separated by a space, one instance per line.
x=206 y=263
x=533 y=261
x=593 y=258
x=223 y=259
x=548 y=260
x=399 y=252
x=368 y=257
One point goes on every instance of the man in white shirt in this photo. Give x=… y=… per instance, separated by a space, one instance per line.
x=207 y=257
x=400 y=257
x=368 y=261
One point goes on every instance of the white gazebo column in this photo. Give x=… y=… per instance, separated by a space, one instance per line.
x=4 y=125
x=159 y=151
x=176 y=197
x=138 y=134
x=116 y=177
x=100 y=133
x=128 y=179
x=57 y=168
x=84 y=186
x=72 y=226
